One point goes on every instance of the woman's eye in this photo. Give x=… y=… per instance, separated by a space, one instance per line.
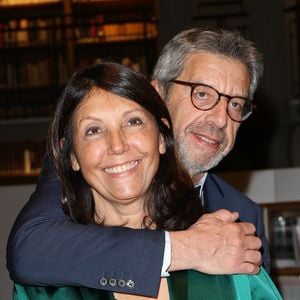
x=93 y=131
x=135 y=121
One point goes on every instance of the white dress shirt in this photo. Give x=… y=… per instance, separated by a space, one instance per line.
x=167 y=250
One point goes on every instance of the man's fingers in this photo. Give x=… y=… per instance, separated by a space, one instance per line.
x=226 y=216
x=252 y=242
x=253 y=257
x=247 y=228
x=248 y=268
x=223 y=215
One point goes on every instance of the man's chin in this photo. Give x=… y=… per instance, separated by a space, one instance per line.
x=209 y=164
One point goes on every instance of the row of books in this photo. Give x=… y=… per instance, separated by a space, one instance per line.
x=22 y=111
x=93 y=30
x=48 y=71
x=27 y=32
x=33 y=73
x=37 y=105
x=21 y=157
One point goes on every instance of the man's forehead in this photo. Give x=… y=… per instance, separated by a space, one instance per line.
x=209 y=59
x=214 y=69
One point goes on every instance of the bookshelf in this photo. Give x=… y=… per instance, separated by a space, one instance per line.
x=43 y=42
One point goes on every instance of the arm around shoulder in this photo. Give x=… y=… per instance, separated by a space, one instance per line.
x=46 y=248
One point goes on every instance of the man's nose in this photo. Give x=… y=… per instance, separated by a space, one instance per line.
x=218 y=114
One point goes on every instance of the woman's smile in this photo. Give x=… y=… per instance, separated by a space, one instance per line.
x=119 y=169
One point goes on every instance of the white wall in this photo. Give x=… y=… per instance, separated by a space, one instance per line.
x=12 y=199
x=266 y=186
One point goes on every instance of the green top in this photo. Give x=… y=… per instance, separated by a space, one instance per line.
x=183 y=285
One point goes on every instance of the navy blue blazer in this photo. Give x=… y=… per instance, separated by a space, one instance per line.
x=219 y=194
x=46 y=248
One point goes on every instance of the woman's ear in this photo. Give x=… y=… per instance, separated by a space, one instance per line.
x=74 y=162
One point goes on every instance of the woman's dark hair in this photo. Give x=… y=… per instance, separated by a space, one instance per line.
x=171 y=201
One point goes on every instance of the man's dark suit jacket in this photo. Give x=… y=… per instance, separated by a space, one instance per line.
x=46 y=248
x=219 y=194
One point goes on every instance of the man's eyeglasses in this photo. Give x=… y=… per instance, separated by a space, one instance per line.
x=205 y=97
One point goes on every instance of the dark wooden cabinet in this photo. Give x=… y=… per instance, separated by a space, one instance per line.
x=282 y=222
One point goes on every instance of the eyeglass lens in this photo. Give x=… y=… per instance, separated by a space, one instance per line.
x=205 y=98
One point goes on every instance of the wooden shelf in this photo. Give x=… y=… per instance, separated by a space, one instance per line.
x=287 y=271
x=119 y=7
x=21 y=178
x=40 y=9
x=25 y=122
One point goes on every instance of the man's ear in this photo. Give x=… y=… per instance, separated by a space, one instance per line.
x=74 y=162
x=162 y=144
x=164 y=120
x=157 y=85
x=162 y=141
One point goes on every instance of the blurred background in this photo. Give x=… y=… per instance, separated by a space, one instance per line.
x=43 y=42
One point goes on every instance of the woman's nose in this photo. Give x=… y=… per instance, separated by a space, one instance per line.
x=118 y=143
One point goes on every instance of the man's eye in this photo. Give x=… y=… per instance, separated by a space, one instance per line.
x=203 y=94
x=236 y=105
x=93 y=131
x=200 y=95
x=135 y=121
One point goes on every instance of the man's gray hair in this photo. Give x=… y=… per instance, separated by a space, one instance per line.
x=228 y=43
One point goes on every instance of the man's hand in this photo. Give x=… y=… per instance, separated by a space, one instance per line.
x=217 y=245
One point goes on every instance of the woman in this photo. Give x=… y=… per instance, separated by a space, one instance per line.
x=112 y=143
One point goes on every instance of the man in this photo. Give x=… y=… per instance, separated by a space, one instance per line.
x=38 y=252
x=208 y=80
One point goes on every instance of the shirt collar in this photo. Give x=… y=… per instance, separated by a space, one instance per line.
x=202 y=182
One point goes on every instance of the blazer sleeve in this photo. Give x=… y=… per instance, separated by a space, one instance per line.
x=46 y=248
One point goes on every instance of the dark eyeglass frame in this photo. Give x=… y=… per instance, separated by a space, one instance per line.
x=193 y=85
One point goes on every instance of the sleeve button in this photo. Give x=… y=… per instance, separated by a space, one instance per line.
x=112 y=281
x=130 y=283
x=121 y=283
x=103 y=281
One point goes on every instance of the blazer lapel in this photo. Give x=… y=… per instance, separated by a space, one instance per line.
x=212 y=194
